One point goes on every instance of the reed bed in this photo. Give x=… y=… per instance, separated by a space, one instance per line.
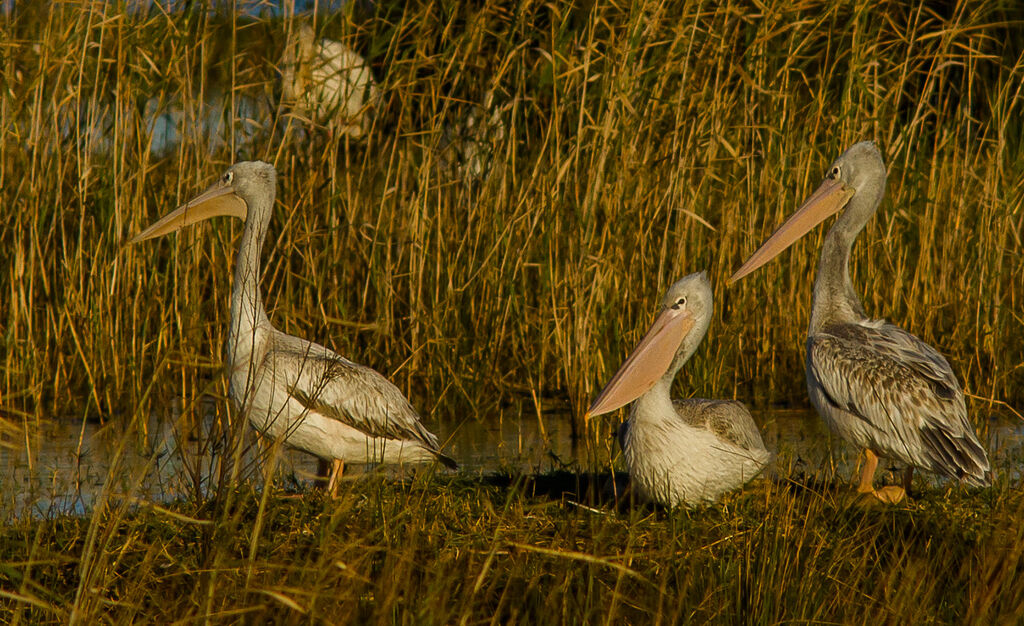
x=640 y=142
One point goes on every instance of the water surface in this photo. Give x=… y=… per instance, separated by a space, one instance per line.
x=64 y=467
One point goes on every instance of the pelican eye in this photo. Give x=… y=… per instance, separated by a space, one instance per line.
x=228 y=177
x=834 y=173
x=679 y=303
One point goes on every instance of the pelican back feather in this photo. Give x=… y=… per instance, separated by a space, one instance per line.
x=324 y=382
x=902 y=391
x=728 y=419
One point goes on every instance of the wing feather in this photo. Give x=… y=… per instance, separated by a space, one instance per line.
x=325 y=382
x=904 y=391
x=728 y=419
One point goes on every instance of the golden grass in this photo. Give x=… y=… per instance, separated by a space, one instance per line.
x=445 y=551
x=642 y=143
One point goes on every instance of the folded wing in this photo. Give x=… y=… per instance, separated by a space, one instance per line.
x=904 y=390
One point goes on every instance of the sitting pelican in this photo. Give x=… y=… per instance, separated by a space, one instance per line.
x=875 y=385
x=687 y=451
x=291 y=389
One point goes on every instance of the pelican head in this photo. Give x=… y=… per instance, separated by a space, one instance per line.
x=230 y=195
x=670 y=341
x=855 y=180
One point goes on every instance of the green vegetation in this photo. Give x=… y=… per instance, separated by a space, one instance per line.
x=643 y=141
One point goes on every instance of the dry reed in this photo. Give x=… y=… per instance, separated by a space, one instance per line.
x=641 y=144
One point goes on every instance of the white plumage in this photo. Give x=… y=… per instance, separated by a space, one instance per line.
x=687 y=451
x=329 y=82
x=294 y=390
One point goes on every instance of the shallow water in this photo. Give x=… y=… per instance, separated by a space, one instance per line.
x=63 y=468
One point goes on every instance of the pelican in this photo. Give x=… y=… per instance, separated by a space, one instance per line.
x=875 y=385
x=293 y=390
x=329 y=82
x=687 y=451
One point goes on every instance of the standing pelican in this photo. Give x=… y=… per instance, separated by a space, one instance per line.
x=876 y=385
x=291 y=389
x=687 y=451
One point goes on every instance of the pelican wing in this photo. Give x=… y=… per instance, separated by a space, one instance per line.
x=904 y=389
x=325 y=382
x=729 y=420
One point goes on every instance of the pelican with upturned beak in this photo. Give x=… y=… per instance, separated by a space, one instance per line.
x=293 y=390
x=875 y=385
x=684 y=451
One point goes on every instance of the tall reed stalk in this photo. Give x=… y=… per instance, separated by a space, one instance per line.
x=642 y=142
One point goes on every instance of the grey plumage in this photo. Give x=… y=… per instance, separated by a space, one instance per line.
x=326 y=383
x=728 y=419
x=903 y=390
x=876 y=385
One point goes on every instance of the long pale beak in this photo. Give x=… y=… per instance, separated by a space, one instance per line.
x=217 y=200
x=647 y=363
x=827 y=199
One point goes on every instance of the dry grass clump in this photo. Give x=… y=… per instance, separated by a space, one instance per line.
x=442 y=551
